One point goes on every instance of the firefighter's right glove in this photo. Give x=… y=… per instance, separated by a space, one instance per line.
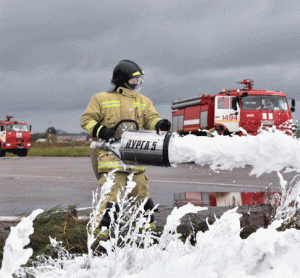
x=107 y=134
x=163 y=125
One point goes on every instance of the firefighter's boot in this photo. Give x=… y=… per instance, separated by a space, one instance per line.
x=149 y=207
x=102 y=231
x=106 y=220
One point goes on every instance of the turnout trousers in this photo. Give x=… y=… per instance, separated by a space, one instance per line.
x=140 y=191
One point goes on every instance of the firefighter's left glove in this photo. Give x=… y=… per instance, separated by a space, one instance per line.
x=107 y=134
x=163 y=125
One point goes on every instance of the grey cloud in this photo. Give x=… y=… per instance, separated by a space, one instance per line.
x=32 y=39
x=283 y=50
x=40 y=105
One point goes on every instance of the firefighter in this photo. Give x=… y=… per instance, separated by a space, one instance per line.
x=103 y=112
x=268 y=104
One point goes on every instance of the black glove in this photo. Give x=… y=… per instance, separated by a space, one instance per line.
x=107 y=133
x=163 y=125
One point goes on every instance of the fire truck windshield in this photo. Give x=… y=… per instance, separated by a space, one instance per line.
x=264 y=102
x=16 y=127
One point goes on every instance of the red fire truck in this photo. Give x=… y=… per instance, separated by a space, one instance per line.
x=233 y=111
x=14 y=137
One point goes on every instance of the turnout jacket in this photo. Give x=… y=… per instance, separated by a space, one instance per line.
x=107 y=109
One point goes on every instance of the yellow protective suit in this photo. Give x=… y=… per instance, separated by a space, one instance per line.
x=107 y=109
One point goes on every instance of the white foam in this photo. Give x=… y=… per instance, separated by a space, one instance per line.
x=219 y=252
x=269 y=151
x=14 y=254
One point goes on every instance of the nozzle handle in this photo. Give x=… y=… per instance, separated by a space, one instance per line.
x=126 y=121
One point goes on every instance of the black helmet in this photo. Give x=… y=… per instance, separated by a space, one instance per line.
x=126 y=70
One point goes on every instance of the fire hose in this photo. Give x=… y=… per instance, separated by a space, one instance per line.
x=135 y=146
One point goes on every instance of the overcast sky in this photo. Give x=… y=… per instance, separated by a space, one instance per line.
x=54 y=55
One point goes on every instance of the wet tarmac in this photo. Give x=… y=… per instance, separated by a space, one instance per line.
x=35 y=182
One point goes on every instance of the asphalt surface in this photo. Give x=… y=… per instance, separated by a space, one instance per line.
x=29 y=183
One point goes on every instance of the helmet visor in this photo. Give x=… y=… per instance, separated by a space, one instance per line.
x=135 y=83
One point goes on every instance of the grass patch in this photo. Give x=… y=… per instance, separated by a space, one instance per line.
x=53 y=145
x=65 y=152
x=68 y=149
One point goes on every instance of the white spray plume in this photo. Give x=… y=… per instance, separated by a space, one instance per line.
x=14 y=253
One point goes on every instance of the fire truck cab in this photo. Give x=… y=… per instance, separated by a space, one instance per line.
x=14 y=137
x=233 y=111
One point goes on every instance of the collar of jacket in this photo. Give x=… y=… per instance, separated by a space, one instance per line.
x=126 y=92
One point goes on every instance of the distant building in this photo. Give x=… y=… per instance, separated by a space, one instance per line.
x=78 y=137
x=91 y=138
x=72 y=137
x=41 y=140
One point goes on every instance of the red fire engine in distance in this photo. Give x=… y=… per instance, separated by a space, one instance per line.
x=233 y=111
x=14 y=137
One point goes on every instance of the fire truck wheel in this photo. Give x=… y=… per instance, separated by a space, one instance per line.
x=2 y=152
x=22 y=152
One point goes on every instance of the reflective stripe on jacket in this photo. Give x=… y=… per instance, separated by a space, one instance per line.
x=107 y=109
